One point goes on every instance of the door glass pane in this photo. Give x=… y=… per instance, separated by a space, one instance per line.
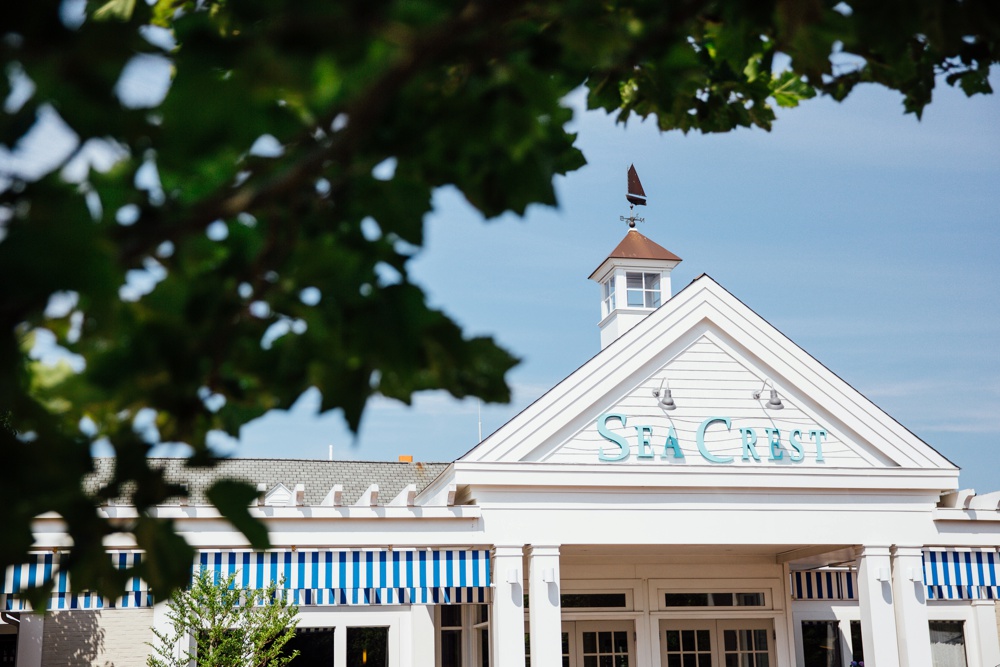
x=367 y=647
x=688 y=648
x=605 y=649
x=947 y=644
x=745 y=648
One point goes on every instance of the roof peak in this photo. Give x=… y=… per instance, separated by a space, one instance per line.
x=637 y=246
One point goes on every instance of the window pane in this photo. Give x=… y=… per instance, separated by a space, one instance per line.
x=652 y=299
x=367 y=647
x=584 y=600
x=451 y=648
x=484 y=647
x=652 y=281
x=947 y=644
x=451 y=616
x=635 y=298
x=749 y=599
x=857 y=647
x=821 y=644
x=315 y=647
x=633 y=280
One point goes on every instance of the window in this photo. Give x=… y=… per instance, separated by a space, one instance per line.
x=609 y=295
x=642 y=290
x=593 y=600
x=713 y=599
x=821 y=644
x=948 y=644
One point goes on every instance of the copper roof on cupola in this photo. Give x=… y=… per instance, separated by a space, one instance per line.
x=637 y=246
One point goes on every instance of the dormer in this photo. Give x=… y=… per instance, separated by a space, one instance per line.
x=634 y=280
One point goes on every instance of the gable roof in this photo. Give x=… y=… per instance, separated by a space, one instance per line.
x=704 y=311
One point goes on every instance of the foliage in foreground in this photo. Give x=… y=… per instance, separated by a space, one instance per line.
x=225 y=625
x=274 y=265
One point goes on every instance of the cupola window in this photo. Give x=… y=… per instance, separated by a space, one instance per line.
x=642 y=290
x=609 y=295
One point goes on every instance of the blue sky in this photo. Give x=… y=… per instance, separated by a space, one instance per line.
x=867 y=237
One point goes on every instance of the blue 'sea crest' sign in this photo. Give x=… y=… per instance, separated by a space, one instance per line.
x=772 y=442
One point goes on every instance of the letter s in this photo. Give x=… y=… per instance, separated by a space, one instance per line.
x=602 y=428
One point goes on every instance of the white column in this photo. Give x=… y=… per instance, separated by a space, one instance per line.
x=910 y=594
x=29 y=640
x=507 y=631
x=984 y=616
x=878 y=622
x=545 y=615
x=422 y=634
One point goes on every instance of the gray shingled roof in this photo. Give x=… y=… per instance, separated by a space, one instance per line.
x=318 y=476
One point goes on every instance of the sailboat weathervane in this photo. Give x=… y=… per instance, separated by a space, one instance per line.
x=636 y=196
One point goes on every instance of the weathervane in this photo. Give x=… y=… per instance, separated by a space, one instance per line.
x=636 y=196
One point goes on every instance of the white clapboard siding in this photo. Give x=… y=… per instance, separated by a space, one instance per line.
x=708 y=380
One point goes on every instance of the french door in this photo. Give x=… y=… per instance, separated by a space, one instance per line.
x=717 y=643
x=598 y=644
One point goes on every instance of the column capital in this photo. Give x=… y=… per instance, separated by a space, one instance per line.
x=542 y=550
x=874 y=550
x=508 y=550
x=904 y=550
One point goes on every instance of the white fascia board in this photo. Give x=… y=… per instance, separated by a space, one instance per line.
x=352 y=512
x=704 y=300
x=561 y=475
x=959 y=514
x=612 y=263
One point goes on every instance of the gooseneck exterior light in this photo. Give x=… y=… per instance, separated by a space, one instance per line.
x=667 y=401
x=774 y=402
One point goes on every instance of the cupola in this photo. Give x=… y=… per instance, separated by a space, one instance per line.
x=635 y=277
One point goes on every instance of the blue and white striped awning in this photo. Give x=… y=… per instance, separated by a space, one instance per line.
x=305 y=577
x=44 y=567
x=824 y=585
x=962 y=574
x=949 y=574
x=359 y=577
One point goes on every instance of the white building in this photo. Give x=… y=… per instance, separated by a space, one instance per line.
x=701 y=492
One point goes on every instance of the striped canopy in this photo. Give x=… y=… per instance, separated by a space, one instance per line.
x=961 y=574
x=949 y=574
x=305 y=577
